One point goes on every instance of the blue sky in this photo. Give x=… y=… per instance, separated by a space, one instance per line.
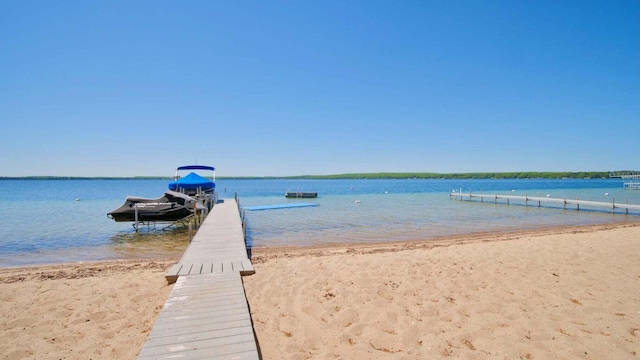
x=257 y=88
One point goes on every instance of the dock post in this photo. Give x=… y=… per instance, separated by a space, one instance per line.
x=244 y=230
x=135 y=212
x=613 y=204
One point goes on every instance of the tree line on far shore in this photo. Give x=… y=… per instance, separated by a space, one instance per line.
x=456 y=176
x=380 y=175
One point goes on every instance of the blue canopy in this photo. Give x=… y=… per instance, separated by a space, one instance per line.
x=192 y=181
x=196 y=167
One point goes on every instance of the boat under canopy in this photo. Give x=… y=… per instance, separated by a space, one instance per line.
x=193 y=184
x=172 y=206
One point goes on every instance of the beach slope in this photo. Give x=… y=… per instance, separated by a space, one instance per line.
x=559 y=294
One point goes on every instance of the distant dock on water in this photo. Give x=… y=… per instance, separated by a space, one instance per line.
x=633 y=182
x=630 y=179
x=533 y=200
x=300 y=194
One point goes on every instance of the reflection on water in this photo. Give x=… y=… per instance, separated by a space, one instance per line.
x=150 y=242
x=145 y=244
x=366 y=218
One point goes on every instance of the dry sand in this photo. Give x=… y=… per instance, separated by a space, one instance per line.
x=556 y=294
x=561 y=294
x=80 y=311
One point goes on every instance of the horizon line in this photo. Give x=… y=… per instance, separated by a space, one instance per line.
x=378 y=175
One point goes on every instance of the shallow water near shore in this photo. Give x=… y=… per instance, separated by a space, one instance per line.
x=57 y=221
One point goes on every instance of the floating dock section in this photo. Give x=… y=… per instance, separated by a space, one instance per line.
x=540 y=200
x=207 y=315
x=278 y=206
x=300 y=194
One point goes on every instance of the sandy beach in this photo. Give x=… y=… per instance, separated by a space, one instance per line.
x=571 y=293
x=80 y=311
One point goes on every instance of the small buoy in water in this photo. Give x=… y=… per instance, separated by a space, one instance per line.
x=386 y=192
x=357 y=201
x=512 y=190
x=77 y=199
x=606 y=194
x=548 y=195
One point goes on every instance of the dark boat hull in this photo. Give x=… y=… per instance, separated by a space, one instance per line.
x=172 y=206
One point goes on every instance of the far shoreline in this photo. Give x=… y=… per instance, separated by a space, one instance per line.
x=551 y=175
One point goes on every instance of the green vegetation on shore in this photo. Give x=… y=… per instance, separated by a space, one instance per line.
x=488 y=175
x=509 y=175
x=84 y=178
x=381 y=175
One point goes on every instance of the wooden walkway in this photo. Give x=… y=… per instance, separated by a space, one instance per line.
x=526 y=199
x=207 y=315
x=217 y=247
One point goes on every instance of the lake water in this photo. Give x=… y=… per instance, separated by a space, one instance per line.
x=57 y=221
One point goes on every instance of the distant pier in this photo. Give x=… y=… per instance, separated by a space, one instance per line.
x=533 y=200
x=631 y=182
x=630 y=179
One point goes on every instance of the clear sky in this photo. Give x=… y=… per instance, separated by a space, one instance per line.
x=257 y=88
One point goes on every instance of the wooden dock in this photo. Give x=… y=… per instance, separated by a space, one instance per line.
x=540 y=200
x=217 y=247
x=207 y=315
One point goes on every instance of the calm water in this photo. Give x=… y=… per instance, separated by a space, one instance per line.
x=55 y=221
